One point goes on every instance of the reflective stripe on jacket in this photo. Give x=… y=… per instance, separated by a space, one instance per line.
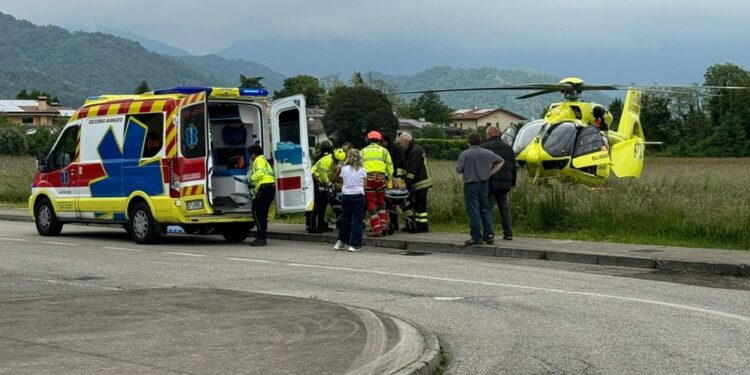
x=261 y=173
x=377 y=160
x=322 y=169
x=418 y=174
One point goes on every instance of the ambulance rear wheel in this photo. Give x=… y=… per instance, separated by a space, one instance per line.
x=143 y=227
x=47 y=223
x=236 y=232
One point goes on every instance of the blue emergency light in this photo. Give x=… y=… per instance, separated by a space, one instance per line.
x=184 y=90
x=253 y=92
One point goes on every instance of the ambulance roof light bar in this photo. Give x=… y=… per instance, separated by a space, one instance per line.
x=184 y=90
x=253 y=91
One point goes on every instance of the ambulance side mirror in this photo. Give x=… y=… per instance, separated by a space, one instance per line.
x=41 y=162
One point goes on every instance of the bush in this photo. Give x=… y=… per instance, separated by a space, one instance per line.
x=12 y=141
x=442 y=149
x=42 y=140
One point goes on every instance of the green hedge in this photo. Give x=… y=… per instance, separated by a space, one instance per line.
x=442 y=149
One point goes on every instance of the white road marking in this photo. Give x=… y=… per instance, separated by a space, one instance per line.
x=12 y=239
x=60 y=243
x=251 y=260
x=72 y=283
x=539 y=289
x=121 y=248
x=186 y=254
x=448 y=298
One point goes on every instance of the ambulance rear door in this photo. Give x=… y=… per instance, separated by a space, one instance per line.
x=292 y=163
x=196 y=164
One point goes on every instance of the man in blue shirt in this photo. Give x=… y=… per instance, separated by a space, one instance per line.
x=477 y=165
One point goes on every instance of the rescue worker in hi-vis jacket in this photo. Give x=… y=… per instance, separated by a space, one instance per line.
x=418 y=181
x=262 y=183
x=377 y=163
x=322 y=171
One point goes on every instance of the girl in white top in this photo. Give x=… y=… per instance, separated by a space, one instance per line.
x=352 y=202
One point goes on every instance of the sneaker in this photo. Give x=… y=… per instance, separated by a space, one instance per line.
x=339 y=246
x=489 y=240
x=353 y=249
x=473 y=242
x=508 y=237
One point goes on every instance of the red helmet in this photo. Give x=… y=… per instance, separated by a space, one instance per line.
x=374 y=136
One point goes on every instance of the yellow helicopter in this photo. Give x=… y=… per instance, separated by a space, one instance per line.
x=577 y=141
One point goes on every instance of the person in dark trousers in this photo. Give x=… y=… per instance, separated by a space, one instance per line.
x=399 y=167
x=477 y=165
x=418 y=181
x=322 y=171
x=353 y=175
x=501 y=182
x=262 y=183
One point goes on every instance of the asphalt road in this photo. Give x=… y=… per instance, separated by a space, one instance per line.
x=491 y=315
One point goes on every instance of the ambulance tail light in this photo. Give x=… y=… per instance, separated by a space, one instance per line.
x=174 y=180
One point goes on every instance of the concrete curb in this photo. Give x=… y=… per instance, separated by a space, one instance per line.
x=505 y=251
x=427 y=363
x=24 y=218
x=716 y=268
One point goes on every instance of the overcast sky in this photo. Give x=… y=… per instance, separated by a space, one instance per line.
x=482 y=31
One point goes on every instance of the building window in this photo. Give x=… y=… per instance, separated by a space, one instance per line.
x=489 y=124
x=28 y=120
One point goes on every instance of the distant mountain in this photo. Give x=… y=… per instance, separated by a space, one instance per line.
x=228 y=70
x=75 y=65
x=149 y=44
x=445 y=77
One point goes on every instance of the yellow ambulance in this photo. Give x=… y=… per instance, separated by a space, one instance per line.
x=172 y=157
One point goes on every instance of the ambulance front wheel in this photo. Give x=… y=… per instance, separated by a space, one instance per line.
x=144 y=229
x=47 y=223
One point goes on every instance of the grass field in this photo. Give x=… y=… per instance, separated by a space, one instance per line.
x=16 y=174
x=678 y=201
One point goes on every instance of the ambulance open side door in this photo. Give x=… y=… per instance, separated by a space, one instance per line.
x=292 y=160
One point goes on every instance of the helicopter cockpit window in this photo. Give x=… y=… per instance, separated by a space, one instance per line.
x=527 y=133
x=509 y=135
x=560 y=139
x=589 y=140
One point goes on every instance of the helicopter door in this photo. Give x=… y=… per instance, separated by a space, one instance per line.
x=294 y=183
x=509 y=135
x=590 y=149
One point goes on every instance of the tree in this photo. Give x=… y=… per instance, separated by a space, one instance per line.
x=656 y=119
x=250 y=82
x=354 y=111
x=142 y=88
x=41 y=140
x=12 y=140
x=35 y=94
x=431 y=107
x=729 y=103
x=309 y=86
x=615 y=108
x=729 y=138
x=432 y=132
x=357 y=79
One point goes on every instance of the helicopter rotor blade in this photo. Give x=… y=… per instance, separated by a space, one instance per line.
x=547 y=88
x=533 y=94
